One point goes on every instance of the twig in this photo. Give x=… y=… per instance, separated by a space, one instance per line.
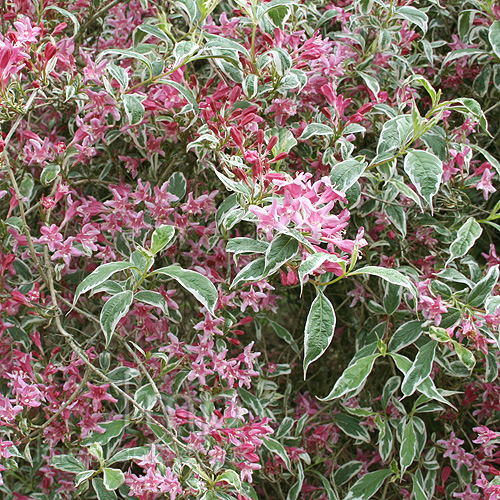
x=17 y=191
x=98 y=14
x=61 y=409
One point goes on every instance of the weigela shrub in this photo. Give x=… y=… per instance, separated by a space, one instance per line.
x=249 y=249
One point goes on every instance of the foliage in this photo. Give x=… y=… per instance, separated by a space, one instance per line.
x=249 y=249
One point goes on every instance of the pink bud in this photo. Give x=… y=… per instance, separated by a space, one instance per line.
x=237 y=138
x=292 y=278
x=272 y=142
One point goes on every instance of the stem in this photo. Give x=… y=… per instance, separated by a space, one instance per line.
x=17 y=191
x=61 y=409
x=98 y=14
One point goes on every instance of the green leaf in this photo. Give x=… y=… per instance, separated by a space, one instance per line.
x=315 y=129
x=219 y=42
x=421 y=368
x=346 y=472
x=408 y=448
x=83 y=476
x=390 y=275
x=112 y=429
x=163 y=237
x=465 y=356
x=331 y=494
x=113 y=478
x=392 y=298
x=466 y=237
x=177 y=185
x=146 y=397
x=266 y=8
x=395 y=133
x=276 y=447
x=483 y=289
x=281 y=250
x=155 y=299
x=95 y=449
x=425 y=171
x=414 y=16
x=134 y=109
x=282 y=60
x=142 y=260
x=230 y=477
x=100 y=275
x=385 y=442
x=397 y=216
x=368 y=485
x=294 y=491
x=253 y=402
x=439 y=334
x=407 y=191
x=436 y=140
x=344 y=174
x=494 y=37
x=351 y=426
x=101 y=491
x=390 y=387
x=425 y=83
x=371 y=82
x=183 y=50
x=427 y=386
x=482 y=80
x=113 y=311
x=418 y=493
x=254 y=271
x=405 y=335
x=155 y=31
x=353 y=377
x=119 y=74
x=284 y=334
x=49 y=173
x=67 y=463
x=129 y=454
x=491 y=372
x=123 y=374
x=226 y=207
x=250 y=85
x=197 y=284
x=26 y=186
x=246 y=245
x=319 y=330
x=191 y=8
x=317 y=260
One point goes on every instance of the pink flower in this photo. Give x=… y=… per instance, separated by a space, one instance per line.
x=246 y=470
x=50 y=236
x=66 y=250
x=88 y=236
x=4 y=448
x=452 y=445
x=485 y=183
x=25 y=32
x=268 y=219
x=11 y=61
x=217 y=455
x=468 y=494
x=282 y=110
x=98 y=394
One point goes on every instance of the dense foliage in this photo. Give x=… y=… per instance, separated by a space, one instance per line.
x=248 y=249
